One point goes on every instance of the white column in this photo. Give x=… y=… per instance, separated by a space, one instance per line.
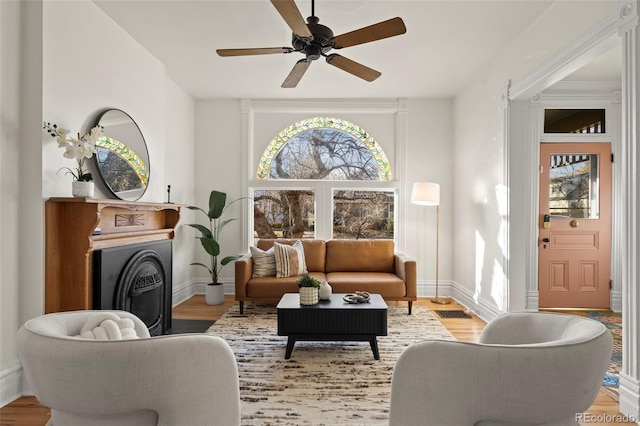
x=629 y=377
x=400 y=172
x=247 y=156
x=618 y=225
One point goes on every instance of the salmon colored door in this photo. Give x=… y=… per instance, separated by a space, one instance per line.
x=574 y=246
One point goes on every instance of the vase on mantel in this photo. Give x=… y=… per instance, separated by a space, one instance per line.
x=82 y=189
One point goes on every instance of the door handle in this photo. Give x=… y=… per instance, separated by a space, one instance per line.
x=545 y=241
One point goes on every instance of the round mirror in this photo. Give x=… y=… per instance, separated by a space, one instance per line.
x=121 y=155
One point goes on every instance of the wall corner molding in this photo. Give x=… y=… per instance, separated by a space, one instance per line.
x=600 y=39
x=627 y=17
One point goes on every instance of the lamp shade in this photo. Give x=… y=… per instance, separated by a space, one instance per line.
x=425 y=194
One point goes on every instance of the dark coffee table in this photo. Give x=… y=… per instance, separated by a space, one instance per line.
x=332 y=320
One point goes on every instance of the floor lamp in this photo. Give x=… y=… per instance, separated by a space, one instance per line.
x=428 y=194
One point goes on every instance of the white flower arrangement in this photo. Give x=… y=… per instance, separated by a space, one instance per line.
x=81 y=148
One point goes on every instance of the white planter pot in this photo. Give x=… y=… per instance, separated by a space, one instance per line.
x=308 y=295
x=82 y=189
x=214 y=294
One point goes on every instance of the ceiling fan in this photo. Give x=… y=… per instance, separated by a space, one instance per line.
x=315 y=40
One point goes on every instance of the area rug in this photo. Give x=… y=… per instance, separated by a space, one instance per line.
x=323 y=383
x=613 y=321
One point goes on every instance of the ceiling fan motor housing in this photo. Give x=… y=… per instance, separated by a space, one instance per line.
x=321 y=42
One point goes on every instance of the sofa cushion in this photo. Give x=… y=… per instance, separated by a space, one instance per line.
x=383 y=283
x=264 y=262
x=272 y=287
x=289 y=259
x=314 y=251
x=360 y=256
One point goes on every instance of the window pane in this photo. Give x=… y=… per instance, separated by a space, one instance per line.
x=574 y=121
x=324 y=154
x=573 y=185
x=283 y=214
x=363 y=214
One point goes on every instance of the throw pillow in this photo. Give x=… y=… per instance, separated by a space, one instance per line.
x=289 y=259
x=108 y=326
x=264 y=262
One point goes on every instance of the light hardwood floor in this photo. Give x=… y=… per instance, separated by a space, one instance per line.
x=26 y=411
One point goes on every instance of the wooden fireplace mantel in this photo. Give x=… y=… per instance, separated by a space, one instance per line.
x=75 y=227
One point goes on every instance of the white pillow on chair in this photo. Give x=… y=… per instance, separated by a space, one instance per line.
x=108 y=326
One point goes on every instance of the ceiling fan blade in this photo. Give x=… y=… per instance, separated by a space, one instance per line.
x=257 y=51
x=353 y=67
x=296 y=73
x=292 y=16
x=385 y=29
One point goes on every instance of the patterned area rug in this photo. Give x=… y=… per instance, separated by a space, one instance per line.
x=322 y=382
x=613 y=321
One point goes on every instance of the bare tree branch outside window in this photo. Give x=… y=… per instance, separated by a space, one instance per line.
x=324 y=154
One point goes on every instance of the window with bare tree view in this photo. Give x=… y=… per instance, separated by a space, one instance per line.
x=312 y=152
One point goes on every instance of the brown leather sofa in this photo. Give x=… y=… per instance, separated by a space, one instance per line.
x=348 y=266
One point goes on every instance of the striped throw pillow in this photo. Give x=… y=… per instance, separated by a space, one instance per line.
x=264 y=262
x=289 y=259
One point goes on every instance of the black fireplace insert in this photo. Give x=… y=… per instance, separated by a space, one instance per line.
x=136 y=278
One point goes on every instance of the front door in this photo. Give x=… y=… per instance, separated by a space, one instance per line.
x=574 y=256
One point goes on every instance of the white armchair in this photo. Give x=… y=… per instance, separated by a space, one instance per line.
x=527 y=369
x=188 y=379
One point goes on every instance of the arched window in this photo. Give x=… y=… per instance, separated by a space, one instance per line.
x=324 y=148
x=317 y=162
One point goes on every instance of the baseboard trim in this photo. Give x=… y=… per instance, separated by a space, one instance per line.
x=629 y=397
x=183 y=292
x=461 y=295
x=477 y=305
x=196 y=286
x=616 y=301
x=11 y=383
x=427 y=288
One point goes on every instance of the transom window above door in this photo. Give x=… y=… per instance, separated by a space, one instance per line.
x=567 y=120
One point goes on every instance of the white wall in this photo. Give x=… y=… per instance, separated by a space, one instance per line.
x=219 y=165
x=427 y=156
x=479 y=166
x=179 y=172
x=65 y=69
x=20 y=176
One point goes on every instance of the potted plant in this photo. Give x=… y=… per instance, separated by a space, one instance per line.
x=79 y=149
x=210 y=240
x=308 y=289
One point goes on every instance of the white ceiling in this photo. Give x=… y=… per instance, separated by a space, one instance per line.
x=446 y=44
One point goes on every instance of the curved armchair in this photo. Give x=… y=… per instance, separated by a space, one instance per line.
x=527 y=369
x=188 y=379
